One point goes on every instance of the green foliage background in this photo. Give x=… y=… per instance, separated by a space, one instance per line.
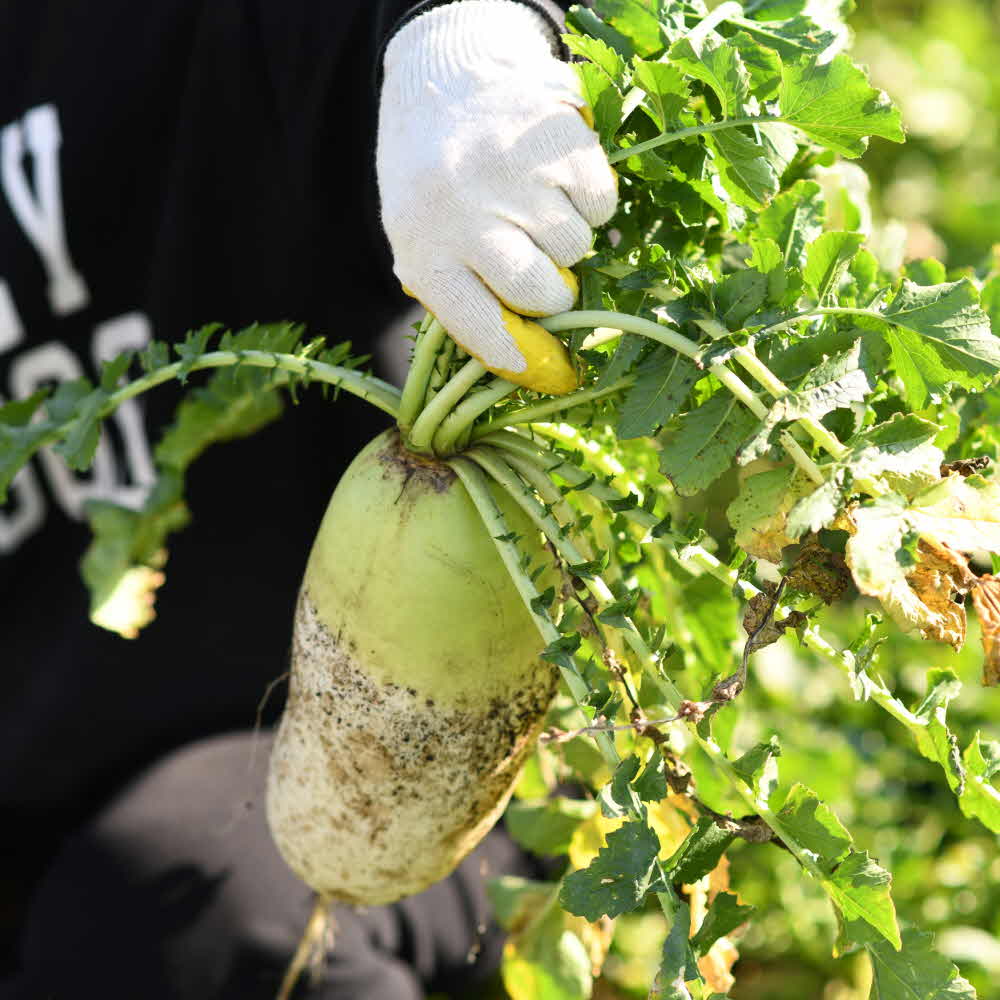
x=941 y=65
x=938 y=195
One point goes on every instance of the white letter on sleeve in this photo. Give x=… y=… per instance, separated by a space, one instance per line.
x=40 y=212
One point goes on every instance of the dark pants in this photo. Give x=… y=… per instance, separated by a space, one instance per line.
x=176 y=892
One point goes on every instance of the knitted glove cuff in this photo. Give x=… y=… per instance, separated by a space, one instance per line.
x=550 y=14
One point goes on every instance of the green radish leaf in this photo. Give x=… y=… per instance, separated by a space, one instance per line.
x=597 y=51
x=678 y=964
x=864 y=270
x=765 y=255
x=762 y=63
x=704 y=443
x=628 y=350
x=940 y=337
x=618 y=613
x=743 y=168
x=864 y=650
x=927 y=272
x=990 y=300
x=780 y=143
x=767 y=258
x=724 y=915
x=836 y=383
x=651 y=785
x=156 y=355
x=629 y=502
x=775 y=10
x=914 y=972
x=857 y=885
x=843 y=379
x=543 y=602
x=758 y=767
x=604 y=100
x=827 y=258
x=636 y=21
x=122 y=564
x=740 y=295
x=592 y=568
x=560 y=652
x=934 y=739
x=718 y=64
x=813 y=825
x=113 y=370
x=588 y=24
x=20 y=436
x=616 y=797
x=666 y=89
x=860 y=889
x=700 y=853
x=794 y=219
x=617 y=880
x=546 y=827
x=834 y=104
x=194 y=345
x=795 y=36
x=86 y=406
x=981 y=799
x=235 y=403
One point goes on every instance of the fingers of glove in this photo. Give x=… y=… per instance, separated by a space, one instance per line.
x=554 y=225
x=508 y=345
x=518 y=273
x=583 y=172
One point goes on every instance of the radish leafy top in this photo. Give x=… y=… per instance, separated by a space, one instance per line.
x=738 y=343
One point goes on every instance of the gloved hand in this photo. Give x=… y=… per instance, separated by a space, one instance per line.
x=490 y=181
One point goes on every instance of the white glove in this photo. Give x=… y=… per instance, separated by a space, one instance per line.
x=490 y=181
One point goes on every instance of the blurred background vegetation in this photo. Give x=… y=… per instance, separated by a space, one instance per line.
x=940 y=62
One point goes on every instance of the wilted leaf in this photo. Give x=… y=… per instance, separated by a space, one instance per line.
x=986 y=598
x=917 y=592
x=760 y=625
x=819 y=571
x=760 y=513
x=962 y=512
x=940 y=573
